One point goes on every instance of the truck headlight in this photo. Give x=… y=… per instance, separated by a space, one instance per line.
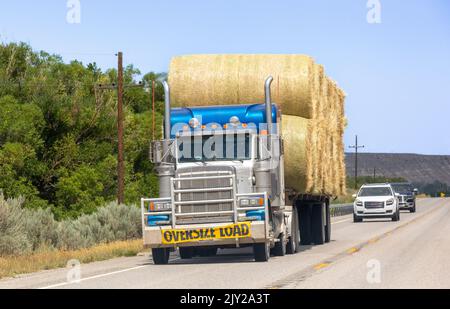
x=160 y=206
x=359 y=203
x=252 y=202
x=390 y=202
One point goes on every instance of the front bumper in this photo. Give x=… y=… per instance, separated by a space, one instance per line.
x=387 y=211
x=153 y=236
x=406 y=205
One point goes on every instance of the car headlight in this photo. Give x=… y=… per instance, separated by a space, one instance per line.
x=359 y=203
x=390 y=202
x=160 y=206
x=252 y=202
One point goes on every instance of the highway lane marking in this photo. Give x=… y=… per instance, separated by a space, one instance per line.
x=95 y=277
x=90 y=278
x=302 y=275
x=374 y=240
x=321 y=266
x=352 y=250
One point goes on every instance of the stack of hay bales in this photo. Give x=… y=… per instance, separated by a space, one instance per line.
x=312 y=105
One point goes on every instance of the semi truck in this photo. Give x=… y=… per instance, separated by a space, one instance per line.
x=221 y=185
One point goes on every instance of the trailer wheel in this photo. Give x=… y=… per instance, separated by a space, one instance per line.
x=318 y=224
x=261 y=252
x=305 y=224
x=294 y=239
x=280 y=246
x=328 y=223
x=186 y=253
x=160 y=256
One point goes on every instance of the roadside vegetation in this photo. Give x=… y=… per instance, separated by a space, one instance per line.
x=32 y=240
x=16 y=265
x=58 y=132
x=25 y=231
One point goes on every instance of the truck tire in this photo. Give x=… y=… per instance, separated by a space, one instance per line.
x=294 y=240
x=413 y=210
x=261 y=252
x=305 y=224
x=280 y=246
x=318 y=224
x=160 y=256
x=328 y=223
x=186 y=253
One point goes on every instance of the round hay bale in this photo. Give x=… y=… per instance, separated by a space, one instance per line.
x=204 y=80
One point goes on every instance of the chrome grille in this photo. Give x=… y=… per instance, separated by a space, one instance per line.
x=373 y=205
x=210 y=189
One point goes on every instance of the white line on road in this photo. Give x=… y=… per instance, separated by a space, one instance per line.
x=95 y=277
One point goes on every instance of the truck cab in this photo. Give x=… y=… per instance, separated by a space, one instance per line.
x=221 y=180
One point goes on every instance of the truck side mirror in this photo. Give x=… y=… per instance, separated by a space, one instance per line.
x=354 y=195
x=416 y=191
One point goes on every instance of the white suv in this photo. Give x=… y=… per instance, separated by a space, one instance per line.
x=376 y=201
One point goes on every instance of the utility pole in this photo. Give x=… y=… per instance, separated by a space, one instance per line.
x=356 y=147
x=120 y=129
x=374 y=173
x=153 y=109
x=120 y=162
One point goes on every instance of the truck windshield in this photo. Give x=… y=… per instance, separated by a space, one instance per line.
x=219 y=147
x=380 y=191
x=402 y=188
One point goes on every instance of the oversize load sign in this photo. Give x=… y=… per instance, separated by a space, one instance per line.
x=240 y=230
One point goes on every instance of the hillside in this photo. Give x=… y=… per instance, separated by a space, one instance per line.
x=416 y=168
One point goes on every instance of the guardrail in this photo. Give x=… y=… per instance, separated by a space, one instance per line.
x=341 y=210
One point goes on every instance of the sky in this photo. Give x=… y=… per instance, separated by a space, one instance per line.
x=396 y=73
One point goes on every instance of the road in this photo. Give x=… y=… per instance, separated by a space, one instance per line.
x=412 y=253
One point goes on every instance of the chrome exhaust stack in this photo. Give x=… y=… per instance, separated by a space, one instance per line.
x=165 y=169
x=268 y=96
x=167 y=129
x=262 y=167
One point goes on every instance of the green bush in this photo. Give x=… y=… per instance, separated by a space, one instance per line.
x=13 y=234
x=58 y=136
x=26 y=230
x=41 y=228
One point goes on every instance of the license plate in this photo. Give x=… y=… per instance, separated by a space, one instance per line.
x=233 y=231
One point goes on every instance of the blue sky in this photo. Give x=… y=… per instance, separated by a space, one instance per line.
x=396 y=74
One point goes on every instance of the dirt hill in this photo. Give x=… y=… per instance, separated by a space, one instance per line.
x=415 y=168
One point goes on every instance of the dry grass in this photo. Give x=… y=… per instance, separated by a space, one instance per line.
x=423 y=195
x=15 y=265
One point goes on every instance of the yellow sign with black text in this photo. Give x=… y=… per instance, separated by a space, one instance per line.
x=233 y=231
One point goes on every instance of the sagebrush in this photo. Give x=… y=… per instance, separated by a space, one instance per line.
x=24 y=230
